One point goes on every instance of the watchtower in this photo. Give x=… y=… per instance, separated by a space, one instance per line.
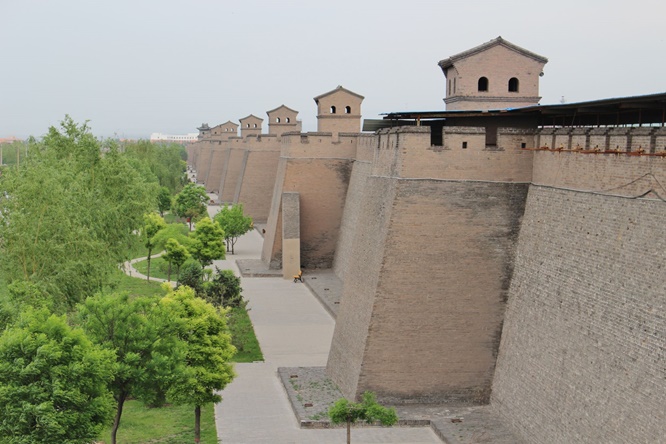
x=282 y=120
x=224 y=130
x=250 y=126
x=495 y=75
x=339 y=111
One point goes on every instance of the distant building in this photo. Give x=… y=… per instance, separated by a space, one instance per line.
x=10 y=139
x=177 y=138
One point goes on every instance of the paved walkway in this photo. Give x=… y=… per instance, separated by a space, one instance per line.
x=294 y=330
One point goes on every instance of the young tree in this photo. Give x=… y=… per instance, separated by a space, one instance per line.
x=153 y=224
x=53 y=382
x=146 y=350
x=224 y=290
x=191 y=202
x=209 y=351
x=234 y=223
x=175 y=254
x=163 y=200
x=208 y=242
x=367 y=410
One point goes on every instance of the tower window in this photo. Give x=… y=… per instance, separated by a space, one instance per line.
x=513 y=84
x=347 y=109
x=247 y=125
x=483 y=84
x=277 y=120
x=333 y=110
x=255 y=125
x=287 y=120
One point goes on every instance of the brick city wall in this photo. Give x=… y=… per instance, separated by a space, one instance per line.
x=219 y=151
x=582 y=356
x=353 y=323
x=614 y=174
x=232 y=174
x=444 y=275
x=257 y=184
x=361 y=170
x=318 y=167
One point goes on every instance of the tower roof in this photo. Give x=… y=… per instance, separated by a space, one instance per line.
x=249 y=117
x=499 y=41
x=338 y=89
x=281 y=107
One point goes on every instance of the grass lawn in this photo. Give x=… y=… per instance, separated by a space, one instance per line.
x=166 y=425
x=158 y=268
x=243 y=337
x=135 y=286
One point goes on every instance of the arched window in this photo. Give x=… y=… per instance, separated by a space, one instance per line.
x=287 y=120
x=513 y=84
x=247 y=125
x=277 y=120
x=347 y=109
x=483 y=84
x=333 y=110
x=255 y=125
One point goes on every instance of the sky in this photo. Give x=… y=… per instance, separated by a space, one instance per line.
x=134 y=67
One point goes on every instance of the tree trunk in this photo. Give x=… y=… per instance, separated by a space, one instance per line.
x=116 y=420
x=177 y=274
x=197 y=424
x=348 y=432
x=148 y=271
x=169 y=272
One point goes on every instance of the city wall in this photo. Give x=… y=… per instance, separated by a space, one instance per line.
x=582 y=355
x=318 y=167
x=428 y=267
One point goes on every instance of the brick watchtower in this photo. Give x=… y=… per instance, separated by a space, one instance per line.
x=339 y=111
x=495 y=75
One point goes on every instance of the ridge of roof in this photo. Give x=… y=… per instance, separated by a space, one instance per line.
x=447 y=63
x=251 y=115
x=339 y=88
x=282 y=106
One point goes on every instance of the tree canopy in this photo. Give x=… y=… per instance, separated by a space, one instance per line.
x=191 y=202
x=234 y=223
x=209 y=351
x=69 y=212
x=208 y=242
x=367 y=410
x=147 y=352
x=53 y=383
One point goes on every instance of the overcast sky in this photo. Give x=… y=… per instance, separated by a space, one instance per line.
x=142 y=66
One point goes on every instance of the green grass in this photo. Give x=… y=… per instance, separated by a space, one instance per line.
x=165 y=425
x=243 y=337
x=158 y=268
x=135 y=286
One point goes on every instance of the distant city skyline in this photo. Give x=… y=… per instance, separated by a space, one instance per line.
x=136 y=68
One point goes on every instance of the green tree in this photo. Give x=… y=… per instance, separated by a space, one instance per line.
x=152 y=224
x=175 y=254
x=367 y=410
x=69 y=213
x=147 y=351
x=208 y=244
x=191 y=275
x=234 y=223
x=53 y=383
x=224 y=290
x=163 y=200
x=209 y=351
x=191 y=202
